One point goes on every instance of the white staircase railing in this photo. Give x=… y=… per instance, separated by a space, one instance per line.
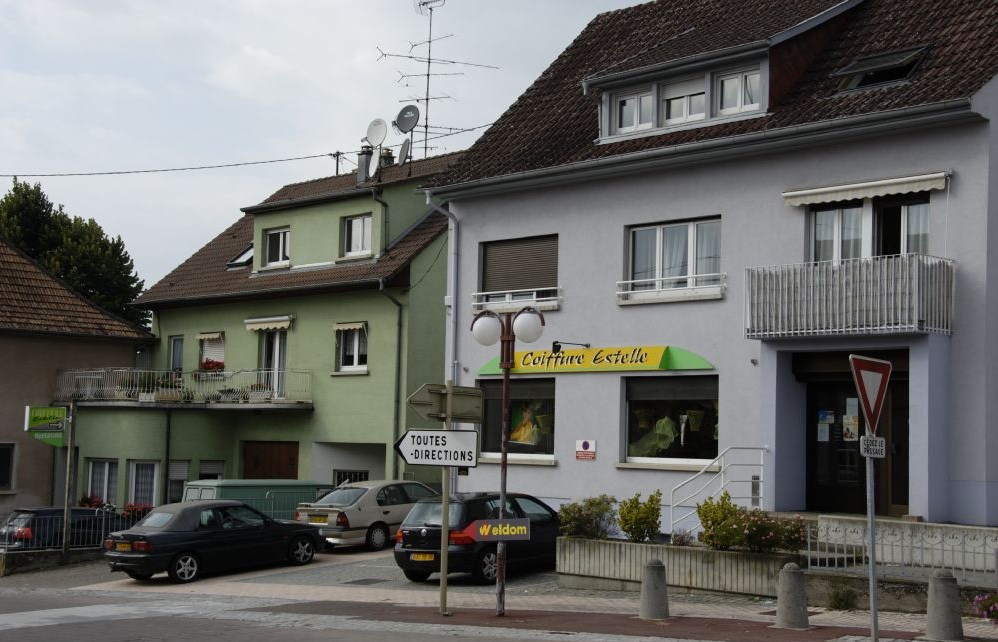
x=735 y=470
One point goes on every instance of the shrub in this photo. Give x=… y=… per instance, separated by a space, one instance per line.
x=986 y=605
x=794 y=534
x=641 y=521
x=719 y=519
x=680 y=537
x=592 y=518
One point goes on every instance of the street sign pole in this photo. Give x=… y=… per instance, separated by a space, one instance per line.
x=871 y=377
x=445 y=510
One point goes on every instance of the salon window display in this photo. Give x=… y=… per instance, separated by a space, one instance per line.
x=672 y=418
x=531 y=428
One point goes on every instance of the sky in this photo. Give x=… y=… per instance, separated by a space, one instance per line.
x=90 y=86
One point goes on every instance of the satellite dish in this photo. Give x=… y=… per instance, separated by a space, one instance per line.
x=404 y=152
x=406 y=121
x=376 y=132
x=424 y=7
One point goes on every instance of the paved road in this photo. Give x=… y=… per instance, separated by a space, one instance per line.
x=357 y=596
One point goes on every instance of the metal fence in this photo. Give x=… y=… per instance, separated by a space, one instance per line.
x=25 y=531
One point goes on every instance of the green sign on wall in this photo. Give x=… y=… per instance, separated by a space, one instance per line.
x=46 y=424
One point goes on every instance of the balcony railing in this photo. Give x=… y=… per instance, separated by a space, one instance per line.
x=194 y=386
x=900 y=294
x=512 y=300
x=696 y=287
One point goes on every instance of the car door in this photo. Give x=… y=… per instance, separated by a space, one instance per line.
x=543 y=529
x=209 y=541
x=251 y=537
x=393 y=504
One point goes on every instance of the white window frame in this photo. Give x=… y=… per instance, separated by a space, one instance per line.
x=694 y=290
x=175 y=342
x=107 y=463
x=283 y=236
x=741 y=77
x=211 y=347
x=351 y=334
x=683 y=89
x=866 y=229
x=366 y=222
x=637 y=96
x=133 y=464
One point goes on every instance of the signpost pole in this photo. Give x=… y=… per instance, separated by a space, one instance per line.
x=874 y=632
x=445 y=512
x=70 y=472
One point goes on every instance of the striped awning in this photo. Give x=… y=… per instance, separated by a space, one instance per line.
x=867 y=189
x=209 y=336
x=356 y=325
x=269 y=323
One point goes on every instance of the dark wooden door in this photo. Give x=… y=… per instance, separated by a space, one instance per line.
x=270 y=460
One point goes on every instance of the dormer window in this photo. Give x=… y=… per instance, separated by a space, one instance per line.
x=243 y=259
x=633 y=112
x=882 y=69
x=277 y=247
x=738 y=92
x=685 y=101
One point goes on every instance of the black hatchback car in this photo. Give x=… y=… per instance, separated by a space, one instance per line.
x=42 y=527
x=417 y=542
x=189 y=538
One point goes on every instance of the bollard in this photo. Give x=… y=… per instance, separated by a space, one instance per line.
x=943 y=613
x=654 y=592
x=791 y=599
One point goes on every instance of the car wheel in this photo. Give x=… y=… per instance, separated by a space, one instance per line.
x=301 y=551
x=377 y=537
x=135 y=575
x=416 y=576
x=184 y=568
x=486 y=566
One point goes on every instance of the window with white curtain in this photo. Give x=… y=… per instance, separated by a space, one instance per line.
x=837 y=232
x=103 y=479
x=357 y=235
x=676 y=255
x=143 y=478
x=351 y=347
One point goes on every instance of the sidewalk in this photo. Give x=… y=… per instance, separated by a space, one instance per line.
x=694 y=616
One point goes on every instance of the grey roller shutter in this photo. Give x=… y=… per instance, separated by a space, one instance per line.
x=520 y=264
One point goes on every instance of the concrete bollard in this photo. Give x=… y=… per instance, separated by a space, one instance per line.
x=654 y=592
x=791 y=599
x=943 y=613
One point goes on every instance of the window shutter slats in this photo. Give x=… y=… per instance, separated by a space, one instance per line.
x=520 y=264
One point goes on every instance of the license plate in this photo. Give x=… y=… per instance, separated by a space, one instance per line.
x=316 y=519
x=421 y=557
x=123 y=546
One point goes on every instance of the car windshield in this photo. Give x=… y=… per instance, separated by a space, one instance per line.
x=428 y=514
x=342 y=496
x=155 y=519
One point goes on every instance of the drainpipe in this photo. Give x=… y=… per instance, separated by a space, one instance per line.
x=398 y=375
x=384 y=208
x=453 y=234
x=166 y=463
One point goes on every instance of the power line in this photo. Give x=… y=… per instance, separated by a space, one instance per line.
x=167 y=169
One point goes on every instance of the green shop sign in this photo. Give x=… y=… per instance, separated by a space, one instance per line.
x=46 y=424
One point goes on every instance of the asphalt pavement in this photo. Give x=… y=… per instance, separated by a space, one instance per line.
x=367 y=590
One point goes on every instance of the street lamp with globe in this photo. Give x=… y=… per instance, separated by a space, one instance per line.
x=489 y=327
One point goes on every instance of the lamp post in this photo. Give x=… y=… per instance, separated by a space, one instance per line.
x=488 y=327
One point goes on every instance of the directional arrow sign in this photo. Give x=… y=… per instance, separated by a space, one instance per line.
x=871 y=377
x=430 y=402
x=439 y=447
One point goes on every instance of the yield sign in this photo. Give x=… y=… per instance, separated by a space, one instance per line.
x=871 y=377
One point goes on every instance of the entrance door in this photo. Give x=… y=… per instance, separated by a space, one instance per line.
x=836 y=471
x=270 y=460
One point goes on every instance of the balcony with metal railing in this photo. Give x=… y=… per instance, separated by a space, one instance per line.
x=544 y=299
x=167 y=388
x=898 y=294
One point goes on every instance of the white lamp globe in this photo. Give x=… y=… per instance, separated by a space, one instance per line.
x=527 y=327
x=486 y=329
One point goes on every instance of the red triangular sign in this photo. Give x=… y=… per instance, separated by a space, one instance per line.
x=871 y=377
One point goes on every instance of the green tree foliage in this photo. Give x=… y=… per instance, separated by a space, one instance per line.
x=640 y=520
x=73 y=249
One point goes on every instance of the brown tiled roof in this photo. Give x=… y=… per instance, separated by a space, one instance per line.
x=554 y=125
x=32 y=300
x=205 y=276
x=346 y=184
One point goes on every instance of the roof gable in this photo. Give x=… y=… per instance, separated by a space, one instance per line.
x=35 y=301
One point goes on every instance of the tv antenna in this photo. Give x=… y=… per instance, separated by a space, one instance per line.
x=426 y=8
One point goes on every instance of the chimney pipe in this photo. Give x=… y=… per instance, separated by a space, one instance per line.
x=387 y=157
x=364 y=163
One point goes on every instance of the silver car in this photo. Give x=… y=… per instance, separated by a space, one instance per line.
x=366 y=513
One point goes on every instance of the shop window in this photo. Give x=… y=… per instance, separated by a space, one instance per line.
x=531 y=429
x=671 y=418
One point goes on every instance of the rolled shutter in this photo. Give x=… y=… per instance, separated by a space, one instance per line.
x=520 y=264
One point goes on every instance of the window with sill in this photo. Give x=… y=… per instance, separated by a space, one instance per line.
x=633 y=112
x=143 y=476
x=278 y=249
x=531 y=415
x=684 y=101
x=102 y=476
x=671 y=419
x=176 y=353
x=738 y=92
x=357 y=235
x=212 y=348
x=675 y=256
x=351 y=347
x=519 y=272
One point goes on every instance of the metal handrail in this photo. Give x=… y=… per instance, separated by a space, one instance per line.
x=718 y=471
x=662 y=283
